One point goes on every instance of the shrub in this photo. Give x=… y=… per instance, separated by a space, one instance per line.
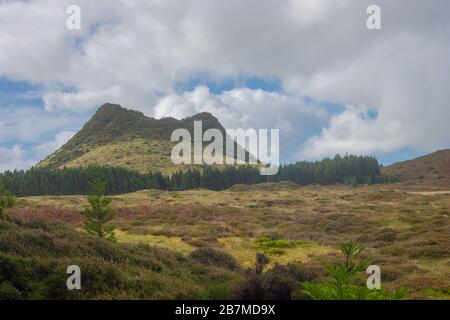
x=252 y=288
x=386 y=235
x=214 y=257
x=34 y=257
x=8 y=291
x=278 y=283
x=300 y=272
x=261 y=262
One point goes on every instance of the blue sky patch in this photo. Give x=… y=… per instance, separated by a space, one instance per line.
x=217 y=86
x=19 y=93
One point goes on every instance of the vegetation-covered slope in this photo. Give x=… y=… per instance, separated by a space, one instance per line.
x=432 y=169
x=406 y=233
x=138 y=154
x=34 y=257
x=117 y=136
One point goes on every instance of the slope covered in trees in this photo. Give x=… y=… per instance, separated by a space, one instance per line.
x=69 y=181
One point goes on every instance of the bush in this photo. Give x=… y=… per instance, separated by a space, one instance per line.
x=300 y=272
x=386 y=235
x=278 y=283
x=34 y=257
x=214 y=257
x=8 y=291
x=252 y=288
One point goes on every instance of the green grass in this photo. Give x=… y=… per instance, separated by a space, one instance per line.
x=270 y=246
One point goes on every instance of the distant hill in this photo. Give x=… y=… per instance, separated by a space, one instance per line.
x=117 y=136
x=430 y=169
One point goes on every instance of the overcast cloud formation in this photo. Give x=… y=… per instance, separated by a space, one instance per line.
x=343 y=88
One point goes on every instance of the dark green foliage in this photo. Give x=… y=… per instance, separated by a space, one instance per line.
x=74 y=181
x=351 y=251
x=68 y=181
x=357 y=169
x=99 y=213
x=271 y=246
x=214 y=257
x=9 y=292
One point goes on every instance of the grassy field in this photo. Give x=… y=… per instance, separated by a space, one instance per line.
x=407 y=232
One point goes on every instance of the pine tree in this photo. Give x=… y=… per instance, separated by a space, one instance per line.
x=344 y=283
x=43 y=181
x=100 y=212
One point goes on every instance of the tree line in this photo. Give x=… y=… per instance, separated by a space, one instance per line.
x=70 y=181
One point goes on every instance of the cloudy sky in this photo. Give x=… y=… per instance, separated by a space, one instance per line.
x=308 y=67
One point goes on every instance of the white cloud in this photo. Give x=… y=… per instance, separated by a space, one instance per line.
x=18 y=158
x=398 y=81
x=354 y=131
x=13 y=158
x=29 y=124
x=135 y=51
x=80 y=101
x=244 y=109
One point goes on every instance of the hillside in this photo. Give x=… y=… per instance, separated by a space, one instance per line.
x=432 y=169
x=35 y=254
x=405 y=233
x=116 y=136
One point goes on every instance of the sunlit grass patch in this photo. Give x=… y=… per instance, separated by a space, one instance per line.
x=172 y=243
x=436 y=294
x=244 y=250
x=271 y=246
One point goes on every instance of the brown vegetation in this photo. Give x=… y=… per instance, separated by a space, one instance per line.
x=407 y=234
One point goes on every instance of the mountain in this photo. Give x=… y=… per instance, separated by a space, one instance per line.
x=430 y=169
x=117 y=136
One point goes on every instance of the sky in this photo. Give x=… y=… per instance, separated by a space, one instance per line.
x=310 y=68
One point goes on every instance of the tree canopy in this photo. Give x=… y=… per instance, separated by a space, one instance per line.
x=70 y=181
